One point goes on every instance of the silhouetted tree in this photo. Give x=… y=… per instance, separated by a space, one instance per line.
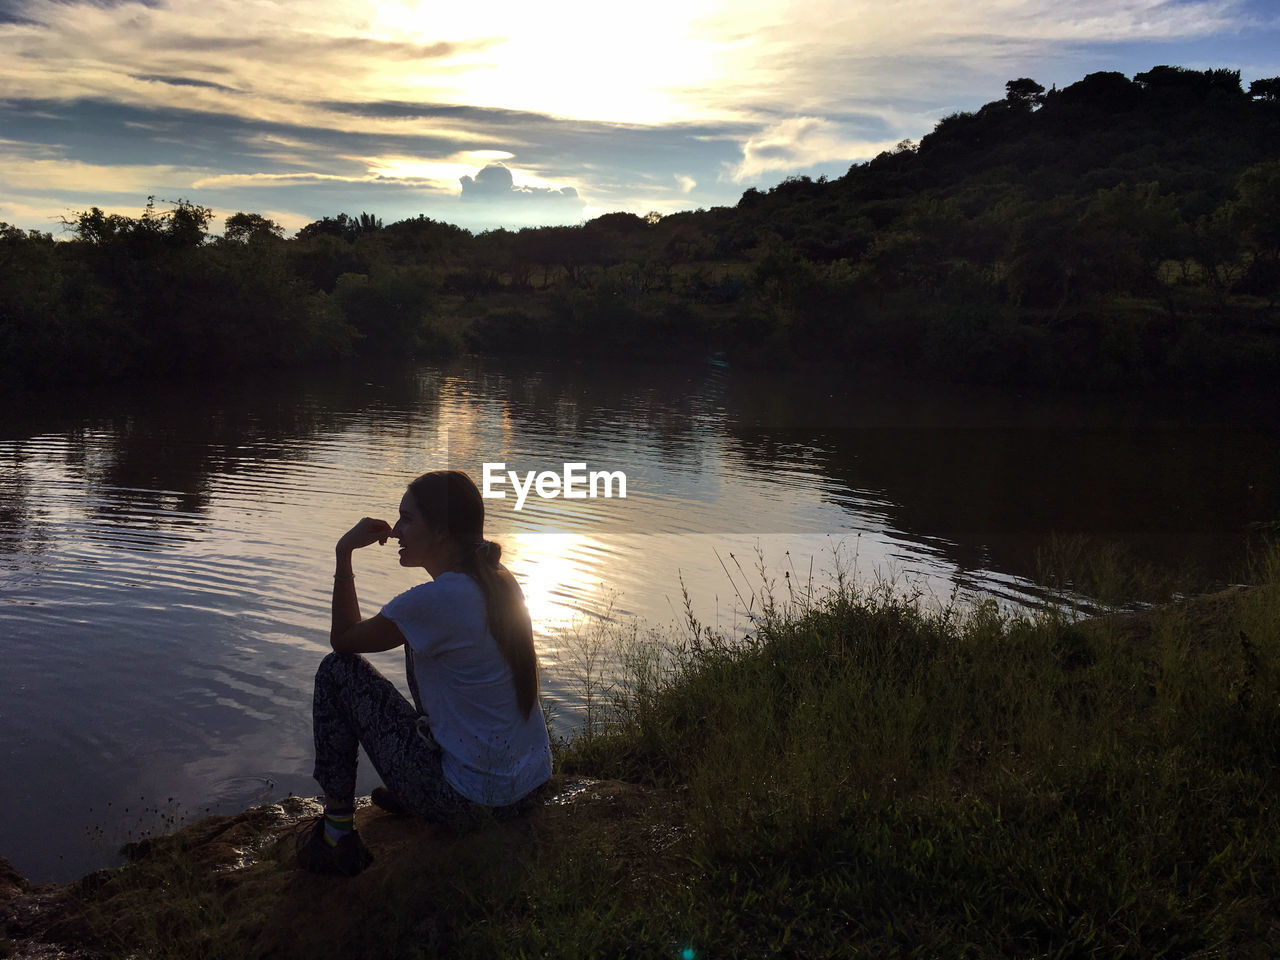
x=1178 y=85
x=96 y=228
x=342 y=226
x=423 y=241
x=1102 y=92
x=187 y=224
x=251 y=228
x=1267 y=89
x=1024 y=94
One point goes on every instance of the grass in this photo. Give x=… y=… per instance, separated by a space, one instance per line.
x=862 y=776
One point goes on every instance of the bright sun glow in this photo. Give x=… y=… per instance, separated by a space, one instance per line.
x=575 y=59
x=442 y=175
x=445 y=171
x=556 y=576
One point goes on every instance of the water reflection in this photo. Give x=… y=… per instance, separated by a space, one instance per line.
x=991 y=497
x=560 y=574
x=165 y=553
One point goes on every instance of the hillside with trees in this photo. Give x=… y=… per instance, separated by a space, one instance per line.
x=1116 y=233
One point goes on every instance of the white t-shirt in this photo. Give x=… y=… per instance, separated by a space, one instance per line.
x=490 y=753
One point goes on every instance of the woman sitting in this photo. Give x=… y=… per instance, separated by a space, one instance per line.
x=474 y=741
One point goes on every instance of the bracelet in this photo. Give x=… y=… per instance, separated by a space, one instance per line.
x=344 y=576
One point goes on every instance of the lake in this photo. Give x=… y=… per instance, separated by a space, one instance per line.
x=166 y=551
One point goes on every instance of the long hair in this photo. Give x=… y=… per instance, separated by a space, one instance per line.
x=449 y=501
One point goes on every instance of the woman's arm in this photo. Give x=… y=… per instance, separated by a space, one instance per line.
x=347 y=632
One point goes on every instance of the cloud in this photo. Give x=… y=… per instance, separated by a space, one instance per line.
x=440 y=178
x=800 y=142
x=825 y=56
x=413 y=168
x=181 y=81
x=494 y=180
x=256 y=59
x=24 y=173
x=32 y=214
x=274 y=180
x=408 y=110
x=27 y=150
x=685 y=61
x=11 y=11
x=686 y=183
x=494 y=188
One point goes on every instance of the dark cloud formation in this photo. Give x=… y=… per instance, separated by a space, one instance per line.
x=394 y=50
x=402 y=110
x=302 y=46
x=181 y=81
x=317 y=171
x=221 y=44
x=105 y=132
x=17 y=11
x=618 y=155
x=775 y=152
x=494 y=189
x=13 y=11
x=496 y=182
x=100 y=131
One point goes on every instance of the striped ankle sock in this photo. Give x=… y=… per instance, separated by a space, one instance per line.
x=337 y=824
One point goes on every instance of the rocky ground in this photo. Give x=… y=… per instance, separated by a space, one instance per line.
x=234 y=876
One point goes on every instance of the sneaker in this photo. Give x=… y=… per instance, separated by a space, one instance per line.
x=388 y=801
x=348 y=858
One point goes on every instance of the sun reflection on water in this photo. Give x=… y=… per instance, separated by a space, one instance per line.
x=558 y=576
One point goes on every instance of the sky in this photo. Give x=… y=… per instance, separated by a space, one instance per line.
x=498 y=113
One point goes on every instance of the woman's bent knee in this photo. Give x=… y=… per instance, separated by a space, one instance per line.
x=339 y=667
x=339 y=661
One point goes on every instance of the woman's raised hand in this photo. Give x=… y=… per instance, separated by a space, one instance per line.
x=367 y=531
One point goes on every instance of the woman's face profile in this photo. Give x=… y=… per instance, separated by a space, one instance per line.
x=418 y=543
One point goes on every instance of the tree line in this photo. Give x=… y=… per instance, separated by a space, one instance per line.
x=1117 y=232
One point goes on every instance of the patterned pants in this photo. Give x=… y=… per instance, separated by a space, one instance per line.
x=355 y=705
